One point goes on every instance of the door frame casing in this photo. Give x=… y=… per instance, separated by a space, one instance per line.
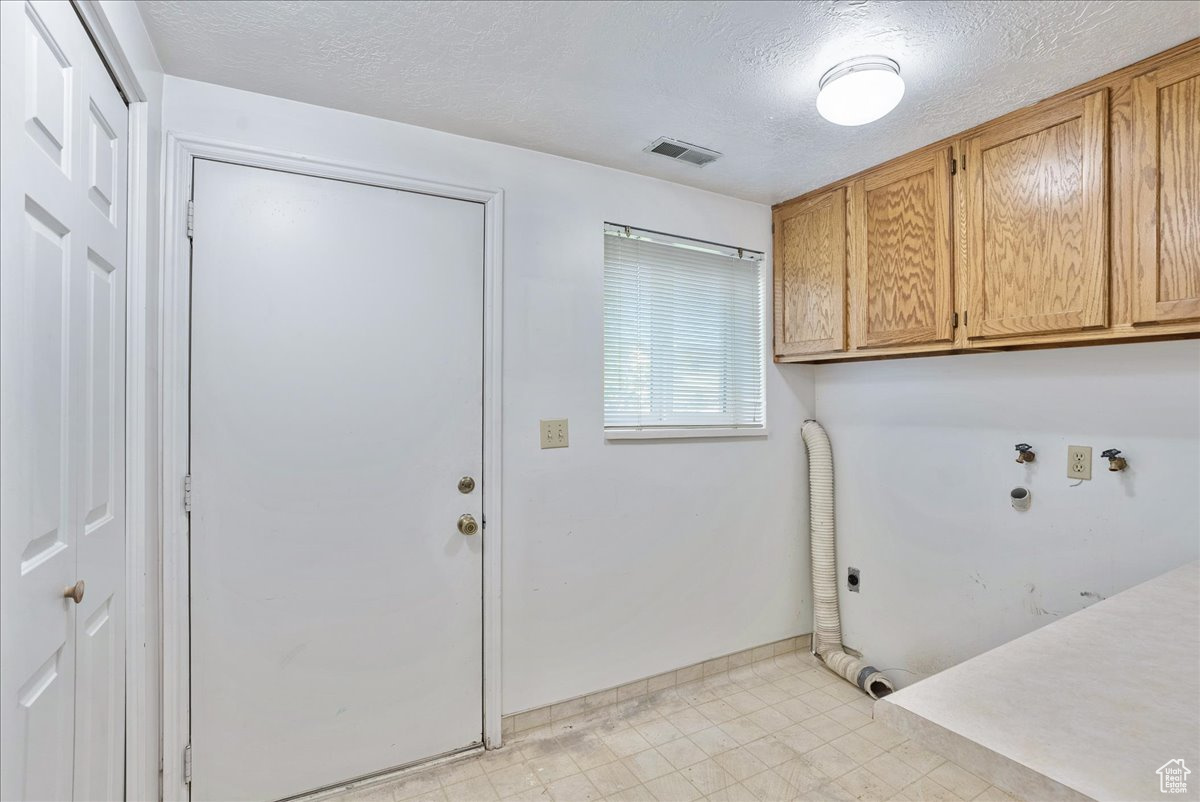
x=138 y=198
x=181 y=150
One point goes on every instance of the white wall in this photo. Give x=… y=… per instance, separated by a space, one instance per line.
x=924 y=458
x=620 y=560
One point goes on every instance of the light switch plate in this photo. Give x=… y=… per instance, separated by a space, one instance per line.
x=1079 y=462
x=554 y=433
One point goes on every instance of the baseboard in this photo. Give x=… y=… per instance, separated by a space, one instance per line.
x=557 y=711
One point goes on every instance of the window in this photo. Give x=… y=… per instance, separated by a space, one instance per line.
x=683 y=337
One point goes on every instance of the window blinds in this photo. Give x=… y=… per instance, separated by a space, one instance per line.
x=683 y=333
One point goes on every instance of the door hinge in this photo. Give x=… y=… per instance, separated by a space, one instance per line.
x=191 y=219
x=953 y=166
x=954 y=321
x=187 y=493
x=187 y=764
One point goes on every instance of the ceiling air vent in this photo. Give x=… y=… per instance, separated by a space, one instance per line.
x=682 y=151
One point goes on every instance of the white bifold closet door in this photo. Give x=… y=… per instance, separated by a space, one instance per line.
x=63 y=145
x=336 y=402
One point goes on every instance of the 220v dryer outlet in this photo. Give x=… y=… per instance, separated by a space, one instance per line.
x=1079 y=462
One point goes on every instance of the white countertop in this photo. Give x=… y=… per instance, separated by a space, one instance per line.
x=1089 y=707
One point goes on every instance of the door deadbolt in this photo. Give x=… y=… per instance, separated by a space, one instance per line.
x=74 y=592
x=467 y=524
x=466 y=484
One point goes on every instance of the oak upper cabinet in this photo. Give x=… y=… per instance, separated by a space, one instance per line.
x=810 y=275
x=1166 y=202
x=1036 y=192
x=899 y=251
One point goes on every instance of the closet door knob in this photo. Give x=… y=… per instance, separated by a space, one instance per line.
x=74 y=592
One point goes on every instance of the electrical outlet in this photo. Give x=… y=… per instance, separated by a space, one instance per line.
x=1079 y=462
x=554 y=433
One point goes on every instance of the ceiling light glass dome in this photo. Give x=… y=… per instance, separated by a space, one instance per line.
x=860 y=90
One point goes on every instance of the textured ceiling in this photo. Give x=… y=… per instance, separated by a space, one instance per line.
x=597 y=81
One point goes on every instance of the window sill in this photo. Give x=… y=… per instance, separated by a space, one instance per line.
x=684 y=433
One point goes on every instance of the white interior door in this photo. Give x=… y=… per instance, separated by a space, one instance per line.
x=62 y=403
x=336 y=401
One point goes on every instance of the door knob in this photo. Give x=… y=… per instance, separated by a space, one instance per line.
x=466 y=484
x=74 y=592
x=466 y=524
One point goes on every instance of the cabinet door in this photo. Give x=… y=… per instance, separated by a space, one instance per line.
x=1166 y=203
x=901 y=287
x=1037 y=221
x=810 y=276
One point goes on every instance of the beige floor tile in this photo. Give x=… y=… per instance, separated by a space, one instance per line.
x=718 y=711
x=768 y=786
x=770 y=719
x=458 y=770
x=659 y=731
x=741 y=763
x=708 y=776
x=673 y=788
x=783 y=728
x=745 y=702
x=612 y=778
x=733 y=793
x=857 y=747
x=550 y=768
x=682 y=753
x=713 y=741
x=475 y=789
x=576 y=788
x=414 y=785
x=638 y=793
x=831 y=762
x=800 y=774
x=800 y=738
x=590 y=752
x=625 y=742
x=514 y=780
x=849 y=717
x=957 y=779
x=926 y=790
x=796 y=710
x=892 y=770
x=864 y=785
x=648 y=765
x=769 y=694
x=374 y=793
x=824 y=727
x=881 y=735
x=771 y=751
x=917 y=756
x=743 y=730
x=689 y=721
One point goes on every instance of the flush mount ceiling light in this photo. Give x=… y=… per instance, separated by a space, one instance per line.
x=860 y=90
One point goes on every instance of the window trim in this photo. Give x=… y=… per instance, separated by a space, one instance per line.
x=684 y=432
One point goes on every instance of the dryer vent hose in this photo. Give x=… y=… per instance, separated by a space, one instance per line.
x=827 y=622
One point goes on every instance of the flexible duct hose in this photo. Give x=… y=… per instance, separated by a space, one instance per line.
x=827 y=622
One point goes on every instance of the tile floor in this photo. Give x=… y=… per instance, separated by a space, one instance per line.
x=784 y=728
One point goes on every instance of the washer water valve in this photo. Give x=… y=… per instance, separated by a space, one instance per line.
x=1115 y=461
x=1025 y=453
